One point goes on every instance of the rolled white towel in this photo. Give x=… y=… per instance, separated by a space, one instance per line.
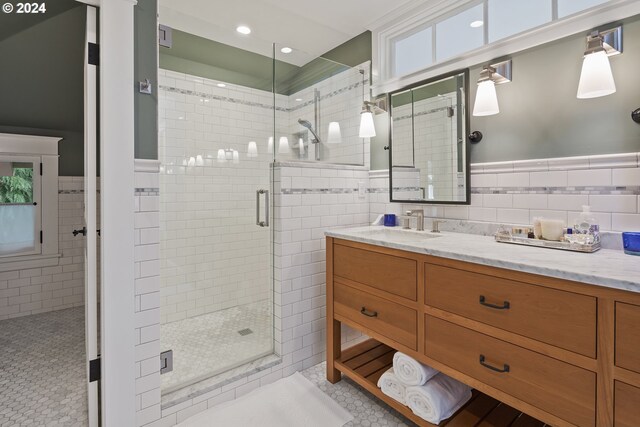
x=410 y=371
x=392 y=386
x=438 y=399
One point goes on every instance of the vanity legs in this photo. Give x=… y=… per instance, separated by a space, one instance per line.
x=334 y=338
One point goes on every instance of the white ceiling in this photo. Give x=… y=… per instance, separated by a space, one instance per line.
x=310 y=27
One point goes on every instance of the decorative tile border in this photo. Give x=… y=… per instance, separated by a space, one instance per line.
x=617 y=190
x=146 y=191
x=204 y=95
x=288 y=191
x=422 y=113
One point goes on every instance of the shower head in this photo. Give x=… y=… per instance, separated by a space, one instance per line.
x=307 y=124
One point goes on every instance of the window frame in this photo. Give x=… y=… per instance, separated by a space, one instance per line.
x=44 y=151
x=37 y=200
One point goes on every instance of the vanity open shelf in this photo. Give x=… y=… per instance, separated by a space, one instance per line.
x=365 y=362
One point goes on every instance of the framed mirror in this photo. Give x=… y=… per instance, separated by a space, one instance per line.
x=429 y=153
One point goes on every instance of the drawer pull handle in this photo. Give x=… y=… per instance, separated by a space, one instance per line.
x=505 y=305
x=368 y=313
x=493 y=368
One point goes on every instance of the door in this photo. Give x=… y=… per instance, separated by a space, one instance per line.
x=90 y=210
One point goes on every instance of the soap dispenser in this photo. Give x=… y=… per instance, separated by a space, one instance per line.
x=585 y=227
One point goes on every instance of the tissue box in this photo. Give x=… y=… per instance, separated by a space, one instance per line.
x=631 y=243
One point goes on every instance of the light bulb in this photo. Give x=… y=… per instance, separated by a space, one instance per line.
x=283 y=146
x=596 y=78
x=252 y=149
x=367 y=128
x=486 y=99
x=335 y=136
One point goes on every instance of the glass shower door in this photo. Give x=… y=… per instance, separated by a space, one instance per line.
x=216 y=151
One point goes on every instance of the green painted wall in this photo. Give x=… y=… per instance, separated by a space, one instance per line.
x=206 y=58
x=146 y=66
x=540 y=116
x=41 y=81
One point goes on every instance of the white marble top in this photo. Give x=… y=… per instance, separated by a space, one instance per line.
x=608 y=268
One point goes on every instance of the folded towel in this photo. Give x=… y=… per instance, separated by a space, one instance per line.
x=438 y=399
x=410 y=371
x=392 y=386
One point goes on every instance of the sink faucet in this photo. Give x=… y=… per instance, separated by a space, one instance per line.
x=435 y=226
x=419 y=213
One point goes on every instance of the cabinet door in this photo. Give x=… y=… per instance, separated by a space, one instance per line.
x=628 y=337
x=627 y=405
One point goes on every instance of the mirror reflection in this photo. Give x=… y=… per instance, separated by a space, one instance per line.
x=428 y=145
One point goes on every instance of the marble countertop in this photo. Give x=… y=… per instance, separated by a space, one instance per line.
x=608 y=268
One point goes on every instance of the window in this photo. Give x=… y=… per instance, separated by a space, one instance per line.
x=413 y=52
x=28 y=198
x=508 y=17
x=19 y=205
x=569 y=7
x=458 y=34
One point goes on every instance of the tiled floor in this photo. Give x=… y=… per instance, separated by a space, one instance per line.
x=367 y=410
x=42 y=370
x=206 y=345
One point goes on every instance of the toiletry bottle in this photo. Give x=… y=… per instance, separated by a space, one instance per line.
x=586 y=228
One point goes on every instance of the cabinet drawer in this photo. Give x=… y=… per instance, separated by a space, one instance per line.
x=387 y=318
x=563 y=319
x=628 y=336
x=627 y=405
x=559 y=388
x=388 y=273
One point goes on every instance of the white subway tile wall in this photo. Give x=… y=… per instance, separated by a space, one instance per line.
x=54 y=287
x=147 y=297
x=517 y=192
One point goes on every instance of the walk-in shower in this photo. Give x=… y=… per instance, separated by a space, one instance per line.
x=221 y=137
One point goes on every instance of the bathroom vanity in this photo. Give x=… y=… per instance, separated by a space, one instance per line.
x=553 y=334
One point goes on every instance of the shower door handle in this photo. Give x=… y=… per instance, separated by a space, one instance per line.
x=264 y=223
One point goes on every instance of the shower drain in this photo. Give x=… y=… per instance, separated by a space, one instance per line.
x=245 y=331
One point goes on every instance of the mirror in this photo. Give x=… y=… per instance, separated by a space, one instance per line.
x=428 y=151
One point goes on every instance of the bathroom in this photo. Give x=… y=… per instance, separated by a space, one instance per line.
x=267 y=139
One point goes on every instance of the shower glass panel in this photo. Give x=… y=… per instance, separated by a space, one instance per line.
x=318 y=105
x=216 y=238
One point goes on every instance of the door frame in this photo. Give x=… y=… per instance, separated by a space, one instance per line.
x=116 y=93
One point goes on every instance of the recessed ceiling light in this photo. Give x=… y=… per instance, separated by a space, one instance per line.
x=299 y=99
x=286 y=50
x=243 y=29
x=476 y=24
x=221 y=85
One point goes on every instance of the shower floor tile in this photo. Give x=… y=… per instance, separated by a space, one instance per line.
x=42 y=370
x=207 y=345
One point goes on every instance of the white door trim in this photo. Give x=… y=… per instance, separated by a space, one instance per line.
x=90 y=210
x=117 y=212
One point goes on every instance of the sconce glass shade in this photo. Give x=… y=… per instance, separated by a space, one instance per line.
x=301 y=146
x=335 y=136
x=270 y=147
x=221 y=156
x=252 y=149
x=486 y=99
x=367 y=128
x=236 y=157
x=283 y=146
x=192 y=162
x=199 y=160
x=596 y=78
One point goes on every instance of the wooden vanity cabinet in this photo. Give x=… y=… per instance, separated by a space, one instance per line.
x=563 y=352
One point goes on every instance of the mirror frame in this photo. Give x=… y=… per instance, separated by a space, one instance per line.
x=467 y=123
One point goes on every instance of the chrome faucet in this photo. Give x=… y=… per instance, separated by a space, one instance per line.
x=435 y=226
x=419 y=214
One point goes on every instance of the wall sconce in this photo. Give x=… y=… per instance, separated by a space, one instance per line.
x=486 y=103
x=252 y=149
x=283 y=145
x=335 y=136
x=367 y=128
x=596 y=78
